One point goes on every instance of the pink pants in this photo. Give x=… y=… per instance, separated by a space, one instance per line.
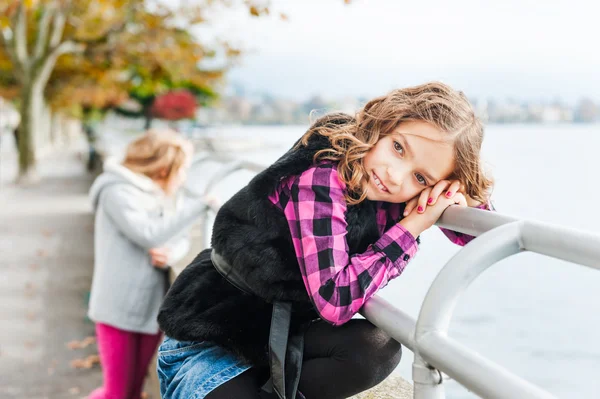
x=125 y=357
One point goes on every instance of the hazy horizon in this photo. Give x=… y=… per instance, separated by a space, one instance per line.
x=514 y=48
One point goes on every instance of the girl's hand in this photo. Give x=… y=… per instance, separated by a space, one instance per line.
x=430 y=195
x=160 y=256
x=418 y=221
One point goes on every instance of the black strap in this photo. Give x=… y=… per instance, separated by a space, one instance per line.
x=285 y=351
x=278 y=337
x=229 y=273
x=293 y=363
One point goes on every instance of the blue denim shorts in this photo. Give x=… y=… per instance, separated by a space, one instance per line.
x=191 y=370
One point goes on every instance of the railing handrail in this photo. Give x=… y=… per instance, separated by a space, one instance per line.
x=498 y=236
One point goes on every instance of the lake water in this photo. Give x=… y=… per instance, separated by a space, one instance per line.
x=536 y=316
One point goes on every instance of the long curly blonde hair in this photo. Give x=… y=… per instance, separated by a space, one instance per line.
x=435 y=103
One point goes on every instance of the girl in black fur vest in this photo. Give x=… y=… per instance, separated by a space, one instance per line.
x=298 y=251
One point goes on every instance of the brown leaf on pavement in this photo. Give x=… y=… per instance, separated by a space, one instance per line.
x=29 y=290
x=52 y=367
x=91 y=360
x=30 y=344
x=42 y=253
x=74 y=345
x=86 y=363
x=77 y=363
x=47 y=233
x=81 y=344
x=74 y=390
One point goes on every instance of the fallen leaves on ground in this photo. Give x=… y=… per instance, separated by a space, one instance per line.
x=47 y=233
x=30 y=290
x=86 y=363
x=52 y=367
x=30 y=344
x=81 y=344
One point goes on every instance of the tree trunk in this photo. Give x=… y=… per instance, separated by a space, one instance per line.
x=32 y=102
x=147 y=120
x=33 y=69
x=54 y=128
x=27 y=161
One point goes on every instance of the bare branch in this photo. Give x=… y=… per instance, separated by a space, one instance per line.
x=50 y=61
x=60 y=19
x=69 y=46
x=20 y=36
x=44 y=27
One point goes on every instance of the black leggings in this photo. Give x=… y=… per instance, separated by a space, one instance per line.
x=338 y=362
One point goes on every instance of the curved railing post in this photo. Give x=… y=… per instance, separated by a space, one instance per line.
x=488 y=379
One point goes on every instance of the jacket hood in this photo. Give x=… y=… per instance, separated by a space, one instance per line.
x=115 y=173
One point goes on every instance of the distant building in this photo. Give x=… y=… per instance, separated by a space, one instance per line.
x=247 y=108
x=586 y=111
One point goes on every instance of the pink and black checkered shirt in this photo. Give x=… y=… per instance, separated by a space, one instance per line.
x=338 y=284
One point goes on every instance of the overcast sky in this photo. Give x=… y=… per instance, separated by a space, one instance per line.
x=520 y=48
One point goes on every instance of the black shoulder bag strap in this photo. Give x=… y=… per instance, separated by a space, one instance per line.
x=285 y=351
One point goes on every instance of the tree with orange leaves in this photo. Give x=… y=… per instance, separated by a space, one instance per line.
x=96 y=52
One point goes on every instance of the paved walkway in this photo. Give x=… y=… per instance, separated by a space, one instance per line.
x=45 y=274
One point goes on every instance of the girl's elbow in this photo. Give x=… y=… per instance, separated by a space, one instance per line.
x=334 y=316
x=145 y=242
x=150 y=239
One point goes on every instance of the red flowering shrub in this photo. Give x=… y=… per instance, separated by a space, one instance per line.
x=174 y=105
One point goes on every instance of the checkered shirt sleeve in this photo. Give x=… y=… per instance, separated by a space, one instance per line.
x=337 y=283
x=462 y=238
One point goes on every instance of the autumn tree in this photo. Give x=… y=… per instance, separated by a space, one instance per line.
x=35 y=34
x=137 y=43
x=168 y=59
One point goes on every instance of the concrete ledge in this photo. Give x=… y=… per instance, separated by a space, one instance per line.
x=394 y=387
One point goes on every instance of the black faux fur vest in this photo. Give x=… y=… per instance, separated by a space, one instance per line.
x=253 y=236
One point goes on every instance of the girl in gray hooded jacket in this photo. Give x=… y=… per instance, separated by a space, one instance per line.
x=141 y=228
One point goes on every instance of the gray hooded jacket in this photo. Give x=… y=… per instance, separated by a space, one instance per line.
x=133 y=216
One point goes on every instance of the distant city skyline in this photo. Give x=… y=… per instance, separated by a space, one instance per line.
x=516 y=48
x=240 y=107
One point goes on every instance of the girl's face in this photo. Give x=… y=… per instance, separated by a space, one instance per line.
x=176 y=181
x=172 y=184
x=403 y=163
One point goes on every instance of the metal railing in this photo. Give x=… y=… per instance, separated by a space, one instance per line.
x=436 y=354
